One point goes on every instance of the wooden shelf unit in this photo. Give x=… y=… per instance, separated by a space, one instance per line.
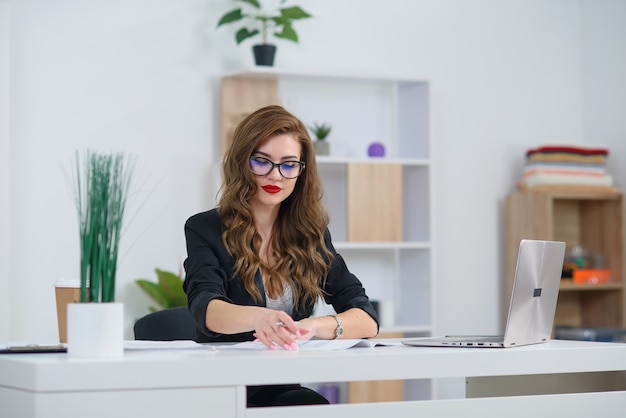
x=592 y=217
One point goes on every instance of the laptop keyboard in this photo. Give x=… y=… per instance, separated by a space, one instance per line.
x=475 y=339
x=486 y=339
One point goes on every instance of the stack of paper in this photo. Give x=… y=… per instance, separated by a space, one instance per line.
x=319 y=345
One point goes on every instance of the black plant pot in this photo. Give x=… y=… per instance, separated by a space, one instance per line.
x=264 y=54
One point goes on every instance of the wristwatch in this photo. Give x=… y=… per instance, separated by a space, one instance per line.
x=339 y=329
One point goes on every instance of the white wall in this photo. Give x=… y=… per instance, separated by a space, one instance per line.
x=5 y=161
x=604 y=74
x=142 y=76
x=111 y=75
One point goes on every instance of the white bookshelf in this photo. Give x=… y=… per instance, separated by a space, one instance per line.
x=362 y=109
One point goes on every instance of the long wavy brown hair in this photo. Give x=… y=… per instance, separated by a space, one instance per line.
x=301 y=258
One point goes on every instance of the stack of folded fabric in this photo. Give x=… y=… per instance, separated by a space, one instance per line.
x=567 y=165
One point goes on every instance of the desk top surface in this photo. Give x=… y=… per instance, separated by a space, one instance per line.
x=208 y=367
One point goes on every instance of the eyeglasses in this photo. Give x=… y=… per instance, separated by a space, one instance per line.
x=288 y=169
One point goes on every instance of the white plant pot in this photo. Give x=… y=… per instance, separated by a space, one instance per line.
x=95 y=330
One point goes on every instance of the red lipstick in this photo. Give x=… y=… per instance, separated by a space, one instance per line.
x=270 y=188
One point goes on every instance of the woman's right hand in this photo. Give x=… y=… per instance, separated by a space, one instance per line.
x=276 y=329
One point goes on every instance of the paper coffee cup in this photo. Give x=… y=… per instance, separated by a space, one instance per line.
x=67 y=291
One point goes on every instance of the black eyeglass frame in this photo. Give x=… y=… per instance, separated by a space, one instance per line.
x=278 y=165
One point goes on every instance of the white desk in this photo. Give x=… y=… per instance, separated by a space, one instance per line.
x=199 y=383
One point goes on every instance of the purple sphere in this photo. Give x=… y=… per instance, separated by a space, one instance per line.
x=376 y=149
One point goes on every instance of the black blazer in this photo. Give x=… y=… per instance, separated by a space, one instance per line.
x=209 y=268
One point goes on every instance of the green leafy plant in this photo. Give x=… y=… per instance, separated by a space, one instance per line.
x=167 y=291
x=256 y=19
x=102 y=182
x=321 y=131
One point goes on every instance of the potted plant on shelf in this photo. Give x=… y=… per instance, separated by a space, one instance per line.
x=95 y=325
x=264 y=21
x=321 y=132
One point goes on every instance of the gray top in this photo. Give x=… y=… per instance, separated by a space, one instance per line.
x=283 y=303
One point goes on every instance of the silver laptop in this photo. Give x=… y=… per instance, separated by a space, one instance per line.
x=533 y=301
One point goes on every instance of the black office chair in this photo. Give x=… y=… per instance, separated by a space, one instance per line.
x=166 y=325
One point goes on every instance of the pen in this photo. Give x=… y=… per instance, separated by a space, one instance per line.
x=282 y=324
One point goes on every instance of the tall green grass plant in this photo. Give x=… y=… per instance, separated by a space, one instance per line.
x=102 y=184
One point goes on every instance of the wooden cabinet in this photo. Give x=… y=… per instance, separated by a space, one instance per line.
x=380 y=207
x=581 y=216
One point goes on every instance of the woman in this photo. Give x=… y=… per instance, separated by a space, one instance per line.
x=259 y=261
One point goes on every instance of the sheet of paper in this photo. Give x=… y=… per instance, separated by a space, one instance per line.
x=317 y=345
x=165 y=345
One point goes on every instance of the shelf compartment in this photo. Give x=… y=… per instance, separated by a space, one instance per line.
x=415 y=203
x=396 y=110
x=414 y=288
x=374 y=202
x=600 y=308
x=595 y=224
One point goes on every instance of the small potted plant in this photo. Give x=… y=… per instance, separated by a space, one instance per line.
x=264 y=21
x=95 y=325
x=321 y=132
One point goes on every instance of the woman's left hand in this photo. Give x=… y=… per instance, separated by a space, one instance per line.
x=356 y=323
x=307 y=329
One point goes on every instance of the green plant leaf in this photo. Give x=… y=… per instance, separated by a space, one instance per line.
x=171 y=286
x=287 y=33
x=254 y=3
x=321 y=131
x=232 y=16
x=167 y=292
x=154 y=291
x=243 y=34
x=294 y=12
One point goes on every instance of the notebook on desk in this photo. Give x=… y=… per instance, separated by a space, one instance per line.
x=533 y=301
x=10 y=347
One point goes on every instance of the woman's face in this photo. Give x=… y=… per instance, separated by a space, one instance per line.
x=273 y=188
